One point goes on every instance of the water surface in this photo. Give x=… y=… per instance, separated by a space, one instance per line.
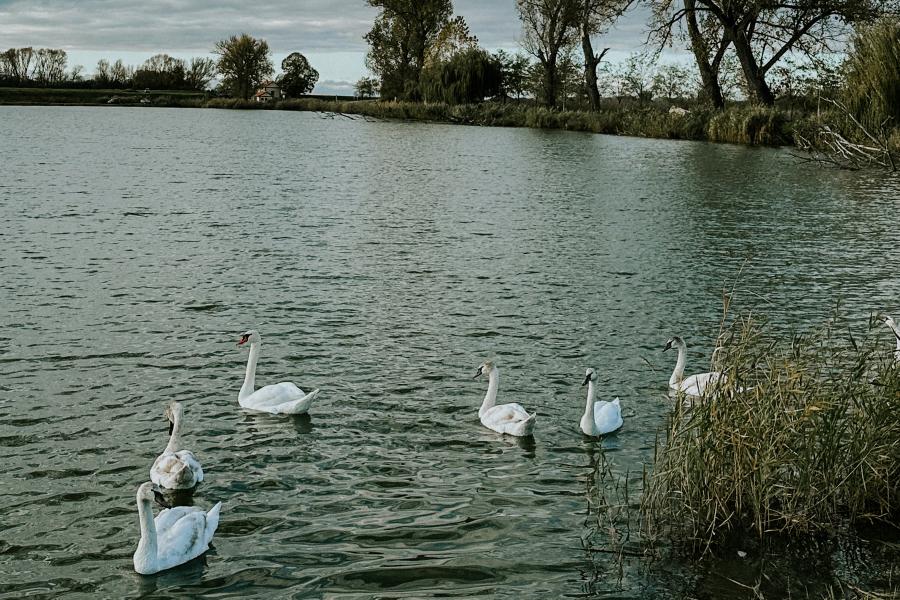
x=381 y=262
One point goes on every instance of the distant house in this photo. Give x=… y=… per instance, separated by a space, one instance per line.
x=269 y=91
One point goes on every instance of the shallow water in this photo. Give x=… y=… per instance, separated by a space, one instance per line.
x=381 y=262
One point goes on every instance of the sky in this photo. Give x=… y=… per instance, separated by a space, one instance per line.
x=328 y=32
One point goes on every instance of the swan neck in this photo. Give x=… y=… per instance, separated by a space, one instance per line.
x=490 y=399
x=250 y=377
x=678 y=373
x=591 y=396
x=147 y=548
x=175 y=438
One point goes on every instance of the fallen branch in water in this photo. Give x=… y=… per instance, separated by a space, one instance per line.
x=841 y=152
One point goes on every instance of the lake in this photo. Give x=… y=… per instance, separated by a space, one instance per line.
x=382 y=262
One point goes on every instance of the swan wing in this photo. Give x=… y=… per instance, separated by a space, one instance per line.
x=607 y=416
x=271 y=396
x=181 y=535
x=296 y=407
x=509 y=418
x=179 y=470
x=697 y=385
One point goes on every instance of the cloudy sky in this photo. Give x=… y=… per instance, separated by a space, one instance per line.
x=328 y=32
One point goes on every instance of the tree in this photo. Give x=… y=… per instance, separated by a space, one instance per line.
x=244 y=64
x=160 y=72
x=199 y=73
x=366 y=87
x=452 y=39
x=763 y=32
x=548 y=31
x=467 y=77
x=594 y=18
x=403 y=32
x=299 y=77
x=638 y=75
x=673 y=81
x=513 y=74
x=102 y=74
x=50 y=67
x=17 y=62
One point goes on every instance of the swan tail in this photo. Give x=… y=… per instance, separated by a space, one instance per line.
x=526 y=427
x=299 y=406
x=212 y=521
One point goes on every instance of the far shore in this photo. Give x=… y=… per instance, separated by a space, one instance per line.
x=739 y=123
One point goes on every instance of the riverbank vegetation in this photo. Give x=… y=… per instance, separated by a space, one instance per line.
x=802 y=437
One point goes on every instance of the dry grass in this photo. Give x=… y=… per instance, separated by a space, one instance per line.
x=802 y=436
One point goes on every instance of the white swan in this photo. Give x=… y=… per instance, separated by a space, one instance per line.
x=176 y=469
x=511 y=419
x=600 y=417
x=281 y=398
x=695 y=385
x=890 y=323
x=176 y=535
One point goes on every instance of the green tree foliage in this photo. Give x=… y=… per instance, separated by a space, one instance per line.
x=161 y=72
x=403 y=32
x=548 y=32
x=514 y=73
x=872 y=85
x=299 y=77
x=467 y=77
x=244 y=64
x=366 y=87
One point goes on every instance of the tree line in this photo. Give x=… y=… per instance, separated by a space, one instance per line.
x=244 y=64
x=419 y=51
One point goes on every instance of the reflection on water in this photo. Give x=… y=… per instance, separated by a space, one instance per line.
x=381 y=262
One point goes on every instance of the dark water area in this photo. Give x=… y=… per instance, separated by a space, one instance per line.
x=382 y=262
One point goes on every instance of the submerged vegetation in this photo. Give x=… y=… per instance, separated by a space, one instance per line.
x=802 y=436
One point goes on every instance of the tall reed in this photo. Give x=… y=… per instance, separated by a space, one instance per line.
x=803 y=435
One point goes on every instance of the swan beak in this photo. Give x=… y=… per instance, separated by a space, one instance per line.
x=668 y=346
x=160 y=499
x=171 y=427
x=243 y=339
x=586 y=380
x=478 y=373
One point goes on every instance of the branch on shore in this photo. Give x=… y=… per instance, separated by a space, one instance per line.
x=832 y=148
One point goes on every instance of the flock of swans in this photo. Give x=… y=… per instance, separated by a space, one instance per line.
x=182 y=533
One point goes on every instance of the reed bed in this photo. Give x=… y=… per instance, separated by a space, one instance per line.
x=803 y=436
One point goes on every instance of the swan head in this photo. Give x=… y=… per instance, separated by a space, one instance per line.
x=589 y=375
x=484 y=368
x=173 y=410
x=887 y=321
x=251 y=336
x=677 y=343
x=151 y=493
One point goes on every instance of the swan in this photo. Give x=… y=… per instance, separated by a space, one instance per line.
x=890 y=323
x=176 y=535
x=176 y=469
x=281 y=398
x=695 y=385
x=600 y=417
x=511 y=419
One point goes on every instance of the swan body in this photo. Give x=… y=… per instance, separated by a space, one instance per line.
x=600 y=417
x=695 y=385
x=281 y=398
x=176 y=469
x=890 y=323
x=510 y=419
x=175 y=536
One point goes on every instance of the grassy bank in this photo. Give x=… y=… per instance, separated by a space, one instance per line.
x=802 y=437
x=738 y=124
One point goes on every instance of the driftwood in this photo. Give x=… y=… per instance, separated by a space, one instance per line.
x=832 y=148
